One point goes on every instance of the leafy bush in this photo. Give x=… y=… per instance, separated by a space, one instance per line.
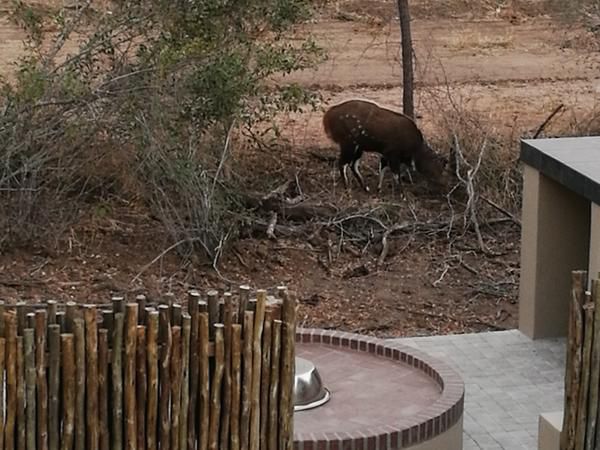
x=147 y=106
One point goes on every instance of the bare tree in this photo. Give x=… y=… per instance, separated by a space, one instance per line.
x=408 y=104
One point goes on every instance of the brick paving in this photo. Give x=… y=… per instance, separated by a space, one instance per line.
x=509 y=380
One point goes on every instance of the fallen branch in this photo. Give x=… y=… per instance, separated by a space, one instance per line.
x=385 y=244
x=502 y=210
x=160 y=255
x=547 y=121
x=271 y=227
x=300 y=211
x=280 y=190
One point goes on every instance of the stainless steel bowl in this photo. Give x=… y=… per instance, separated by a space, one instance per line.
x=309 y=391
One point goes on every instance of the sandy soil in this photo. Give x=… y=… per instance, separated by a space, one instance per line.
x=511 y=68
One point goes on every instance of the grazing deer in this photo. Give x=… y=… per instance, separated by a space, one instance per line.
x=359 y=126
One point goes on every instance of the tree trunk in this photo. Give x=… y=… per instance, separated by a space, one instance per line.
x=408 y=105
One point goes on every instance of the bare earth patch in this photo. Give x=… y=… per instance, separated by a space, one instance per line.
x=511 y=68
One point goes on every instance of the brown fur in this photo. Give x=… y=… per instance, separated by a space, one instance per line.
x=359 y=126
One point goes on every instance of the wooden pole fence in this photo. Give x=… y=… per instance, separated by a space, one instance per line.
x=140 y=375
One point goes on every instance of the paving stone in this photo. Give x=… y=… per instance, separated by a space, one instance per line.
x=509 y=381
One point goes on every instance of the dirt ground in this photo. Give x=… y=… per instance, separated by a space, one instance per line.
x=511 y=66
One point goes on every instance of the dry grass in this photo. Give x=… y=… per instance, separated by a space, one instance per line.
x=477 y=40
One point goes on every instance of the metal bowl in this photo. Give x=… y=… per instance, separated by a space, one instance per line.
x=309 y=391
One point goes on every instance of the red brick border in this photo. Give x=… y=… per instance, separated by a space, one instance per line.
x=427 y=424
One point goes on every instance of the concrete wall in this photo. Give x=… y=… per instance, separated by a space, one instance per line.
x=554 y=241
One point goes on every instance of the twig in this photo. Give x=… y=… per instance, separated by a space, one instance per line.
x=444 y=272
x=300 y=193
x=502 y=210
x=470 y=187
x=223 y=158
x=547 y=121
x=163 y=253
x=271 y=227
x=384 y=242
x=468 y=267
x=324 y=158
x=277 y=191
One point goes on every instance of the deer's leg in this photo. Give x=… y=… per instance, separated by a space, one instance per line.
x=357 y=173
x=345 y=159
x=383 y=165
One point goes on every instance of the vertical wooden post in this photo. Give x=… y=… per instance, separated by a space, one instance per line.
x=226 y=409
x=11 y=325
x=131 y=321
x=141 y=301
x=41 y=382
x=22 y=310
x=164 y=376
x=246 y=380
x=574 y=358
x=152 y=363
x=91 y=349
x=177 y=313
x=54 y=385
x=117 y=381
x=185 y=378
x=588 y=311
x=70 y=314
x=259 y=318
x=21 y=421
x=79 y=332
x=2 y=377
x=68 y=397
x=274 y=388
x=286 y=380
x=104 y=423
x=204 y=381
x=215 y=398
x=265 y=384
x=175 y=386
x=141 y=386
x=29 y=344
x=52 y=311
x=212 y=297
x=243 y=305
x=193 y=298
x=236 y=362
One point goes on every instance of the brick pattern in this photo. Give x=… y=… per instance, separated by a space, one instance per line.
x=432 y=421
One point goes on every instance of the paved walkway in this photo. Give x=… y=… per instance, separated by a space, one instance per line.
x=509 y=381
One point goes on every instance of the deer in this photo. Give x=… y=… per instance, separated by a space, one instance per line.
x=359 y=126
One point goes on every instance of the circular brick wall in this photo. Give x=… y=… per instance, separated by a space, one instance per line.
x=433 y=420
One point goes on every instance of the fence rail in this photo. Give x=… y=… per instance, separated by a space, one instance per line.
x=135 y=375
